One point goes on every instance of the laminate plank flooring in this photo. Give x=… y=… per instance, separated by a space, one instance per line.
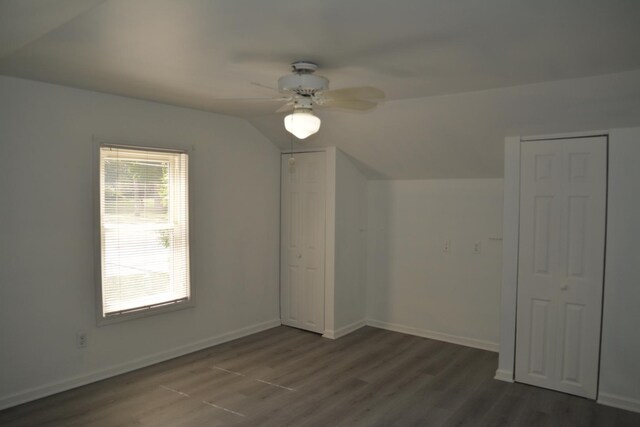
x=287 y=377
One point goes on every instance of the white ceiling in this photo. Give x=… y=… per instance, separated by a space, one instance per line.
x=458 y=75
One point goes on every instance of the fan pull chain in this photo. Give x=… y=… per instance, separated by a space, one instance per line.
x=292 y=160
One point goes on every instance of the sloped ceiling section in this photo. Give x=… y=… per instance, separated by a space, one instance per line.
x=457 y=74
x=25 y=21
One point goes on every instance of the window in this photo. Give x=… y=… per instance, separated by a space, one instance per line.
x=144 y=231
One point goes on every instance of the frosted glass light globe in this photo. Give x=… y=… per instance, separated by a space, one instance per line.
x=302 y=123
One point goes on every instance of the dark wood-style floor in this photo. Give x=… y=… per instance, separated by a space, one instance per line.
x=286 y=377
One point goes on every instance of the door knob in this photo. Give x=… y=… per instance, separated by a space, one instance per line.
x=299 y=255
x=564 y=286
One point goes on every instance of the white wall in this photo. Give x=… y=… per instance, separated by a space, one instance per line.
x=620 y=353
x=413 y=286
x=350 y=246
x=47 y=229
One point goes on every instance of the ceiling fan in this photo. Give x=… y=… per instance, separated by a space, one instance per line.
x=304 y=91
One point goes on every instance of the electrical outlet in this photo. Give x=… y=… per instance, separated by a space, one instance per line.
x=477 y=247
x=446 y=246
x=81 y=339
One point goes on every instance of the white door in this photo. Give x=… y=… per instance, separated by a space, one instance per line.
x=303 y=241
x=560 y=263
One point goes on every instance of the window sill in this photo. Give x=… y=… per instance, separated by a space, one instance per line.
x=117 y=318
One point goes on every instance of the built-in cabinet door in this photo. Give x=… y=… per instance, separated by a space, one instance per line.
x=303 y=241
x=560 y=263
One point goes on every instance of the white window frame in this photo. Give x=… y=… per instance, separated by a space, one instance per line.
x=156 y=309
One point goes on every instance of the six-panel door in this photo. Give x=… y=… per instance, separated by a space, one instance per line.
x=303 y=241
x=560 y=263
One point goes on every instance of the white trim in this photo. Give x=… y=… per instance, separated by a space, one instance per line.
x=566 y=135
x=330 y=240
x=345 y=330
x=510 y=244
x=304 y=150
x=504 y=375
x=83 y=379
x=330 y=226
x=454 y=339
x=619 y=402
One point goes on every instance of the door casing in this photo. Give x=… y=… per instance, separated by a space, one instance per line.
x=562 y=220
x=303 y=230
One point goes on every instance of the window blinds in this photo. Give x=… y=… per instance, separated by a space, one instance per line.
x=144 y=229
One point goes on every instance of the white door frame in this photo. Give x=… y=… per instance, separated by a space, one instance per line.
x=330 y=235
x=510 y=244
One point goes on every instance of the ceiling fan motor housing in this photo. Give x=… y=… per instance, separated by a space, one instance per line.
x=303 y=103
x=302 y=84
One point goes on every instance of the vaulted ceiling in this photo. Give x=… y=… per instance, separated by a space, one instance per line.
x=458 y=75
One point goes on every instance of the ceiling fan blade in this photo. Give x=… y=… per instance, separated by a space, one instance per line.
x=350 y=104
x=265 y=86
x=286 y=107
x=362 y=92
x=266 y=99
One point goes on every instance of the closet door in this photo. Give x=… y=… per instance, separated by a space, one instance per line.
x=303 y=241
x=560 y=263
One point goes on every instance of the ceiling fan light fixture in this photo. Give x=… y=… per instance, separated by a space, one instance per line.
x=302 y=123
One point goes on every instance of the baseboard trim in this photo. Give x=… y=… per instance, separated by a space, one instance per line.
x=619 y=402
x=454 y=339
x=345 y=330
x=84 y=379
x=504 y=375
